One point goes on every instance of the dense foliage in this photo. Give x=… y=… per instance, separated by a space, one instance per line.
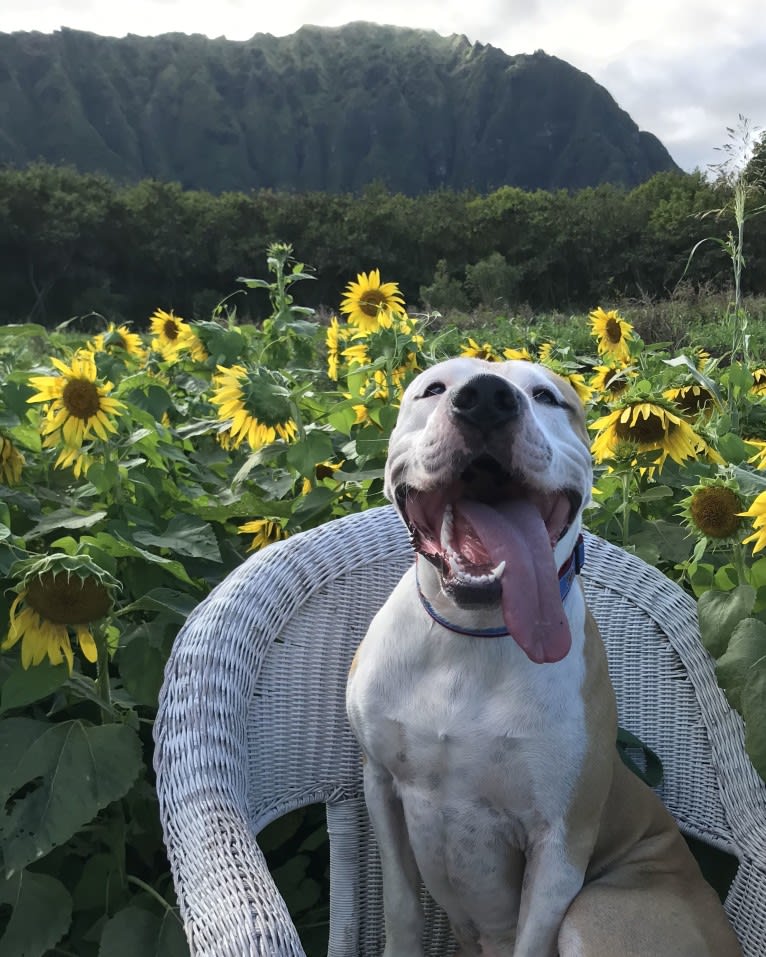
x=137 y=470
x=322 y=109
x=71 y=244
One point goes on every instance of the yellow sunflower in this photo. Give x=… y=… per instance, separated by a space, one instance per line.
x=172 y=335
x=362 y=414
x=486 y=351
x=691 y=399
x=118 y=339
x=357 y=355
x=264 y=531
x=759 y=459
x=53 y=605
x=193 y=345
x=523 y=354
x=333 y=338
x=610 y=380
x=759 y=381
x=255 y=405
x=78 y=460
x=77 y=405
x=648 y=427
x=168 y=332
x=757 y=512
x=545 y=352
x=322 y=472
x=11 y=462
x=371 y=304
x=578 y=383
x=713 y=511
x=613 y=333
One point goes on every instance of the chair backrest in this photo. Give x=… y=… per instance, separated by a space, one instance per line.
x=252 y=724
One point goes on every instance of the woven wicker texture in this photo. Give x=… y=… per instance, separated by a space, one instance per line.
x=252 y=724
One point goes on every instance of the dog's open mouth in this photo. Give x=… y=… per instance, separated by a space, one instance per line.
x=491 y=536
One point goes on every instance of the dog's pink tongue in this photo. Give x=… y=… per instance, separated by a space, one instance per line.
x=531 y=601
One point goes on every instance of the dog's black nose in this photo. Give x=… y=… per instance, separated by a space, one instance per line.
x=486 y=401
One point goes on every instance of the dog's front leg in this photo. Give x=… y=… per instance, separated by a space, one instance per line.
x=401 y=904
x=553 y=876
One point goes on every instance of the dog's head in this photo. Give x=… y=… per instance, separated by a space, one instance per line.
x=489 y=465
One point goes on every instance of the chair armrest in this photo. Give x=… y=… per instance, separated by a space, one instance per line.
x=230 y=904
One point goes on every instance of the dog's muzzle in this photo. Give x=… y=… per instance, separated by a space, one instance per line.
x=490 y=533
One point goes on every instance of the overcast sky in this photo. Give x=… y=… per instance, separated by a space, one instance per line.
x=684 y=70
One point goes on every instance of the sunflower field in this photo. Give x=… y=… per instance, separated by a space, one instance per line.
x=136 y=470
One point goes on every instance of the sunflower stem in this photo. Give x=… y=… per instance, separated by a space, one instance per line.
x=738 y=555
x=626 y=498
x=148 y=889
x=102 y=674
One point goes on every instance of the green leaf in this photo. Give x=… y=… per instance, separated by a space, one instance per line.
x=305 y=455
x=754 y=713
x=254 y=283
x=142 y=666
x=672 y=541
x=747 y=645
x=24 y=686
x=184 y=535
x=311 y=506
x=733 y=448
x=42 y=913
x=719 y=614
x=177 y=604
x=243 y=505
x=133 y=931
x=153 y=399
x=104 y=476
x=118 y=548
x=64 y=518
x=99 y=884
x=342 y=418
x=60 y=775
x=654 y=493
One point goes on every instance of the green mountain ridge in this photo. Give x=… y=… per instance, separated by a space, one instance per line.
x=324 y=109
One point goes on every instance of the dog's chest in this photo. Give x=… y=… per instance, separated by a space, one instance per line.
x=470 y=727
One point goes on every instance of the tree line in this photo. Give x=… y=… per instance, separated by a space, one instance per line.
x=72 y=244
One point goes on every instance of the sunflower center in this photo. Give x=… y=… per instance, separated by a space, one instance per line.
x=649 y=431
x=81 y=398
x=170 y=330
x=613 y=382
x=372 y=302
x=613 y=330
x=68 y=599
x=692 y=400
x=715 y=511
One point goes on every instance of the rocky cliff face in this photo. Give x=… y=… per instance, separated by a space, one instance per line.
x=327 y=109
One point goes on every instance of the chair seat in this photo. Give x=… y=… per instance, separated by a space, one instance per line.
x=252 y=725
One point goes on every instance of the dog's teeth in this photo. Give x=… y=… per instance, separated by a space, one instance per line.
x=446 y=530
x=470 y=579
x=498 y=570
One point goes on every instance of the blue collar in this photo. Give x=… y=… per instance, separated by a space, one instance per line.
x=571 y=567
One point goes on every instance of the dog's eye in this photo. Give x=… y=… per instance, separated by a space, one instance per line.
x=433 y=388
x=545 y=396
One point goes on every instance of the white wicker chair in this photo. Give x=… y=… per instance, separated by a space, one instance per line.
x=252 y=724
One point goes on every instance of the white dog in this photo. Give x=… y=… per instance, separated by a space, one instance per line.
x=481 y=699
